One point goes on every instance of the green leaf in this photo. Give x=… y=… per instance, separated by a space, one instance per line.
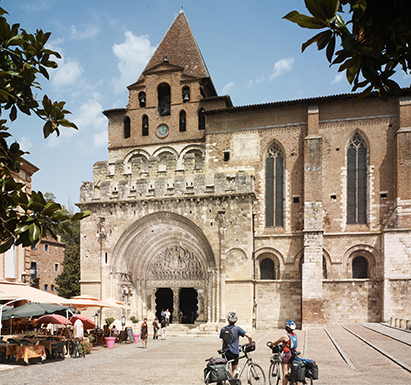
x=330 y=49
x=13 y=113
x=305 y=21
x=81 y=215
x=322 y=9
x=6 y=243
x=365 y=93
x=354 y=68
x=324 y=39
x=34 y=233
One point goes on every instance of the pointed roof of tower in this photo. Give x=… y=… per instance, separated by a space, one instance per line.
x=179 y=48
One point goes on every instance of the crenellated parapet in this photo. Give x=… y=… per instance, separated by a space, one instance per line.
x=151 y=181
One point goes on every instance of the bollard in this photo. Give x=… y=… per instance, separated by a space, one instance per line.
x=403 y=324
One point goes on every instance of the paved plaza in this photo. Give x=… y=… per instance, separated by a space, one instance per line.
x=180 y=360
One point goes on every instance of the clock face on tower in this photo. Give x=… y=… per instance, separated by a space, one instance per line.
x=162 y=130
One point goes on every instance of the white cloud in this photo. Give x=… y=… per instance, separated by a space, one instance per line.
x=227 y=88
x=338 y=78
x=281 y=67
x=92 y=126
x=100 y=140
x=133 y=55
x=89 y=33
x=67 y=74
x=25 y=143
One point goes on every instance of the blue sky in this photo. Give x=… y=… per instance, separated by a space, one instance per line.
x=252 y=54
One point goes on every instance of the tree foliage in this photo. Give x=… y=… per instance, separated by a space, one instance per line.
x=374 y=40
x=23 y=59
x=68 y=281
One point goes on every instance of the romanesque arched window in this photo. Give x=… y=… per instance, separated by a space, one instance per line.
x=142 y=99
x=274 y=191
x=357 y=181
x=164 y=99
x=186 y=94
x=201 y=119
x=360 y=267
x=126 y=127
x=267 y=269
x=144 y=125
x=182 y=121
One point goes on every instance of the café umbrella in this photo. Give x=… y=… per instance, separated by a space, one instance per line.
x=87 y=322
x=32 y=309
x=54 y=319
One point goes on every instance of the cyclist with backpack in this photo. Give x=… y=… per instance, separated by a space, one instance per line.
x=289 y=341
x=230 y=335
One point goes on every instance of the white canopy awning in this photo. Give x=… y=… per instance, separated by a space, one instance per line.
x=13 y=290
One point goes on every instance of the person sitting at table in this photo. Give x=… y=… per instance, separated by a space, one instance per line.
x=114 y=331
x=106 y=331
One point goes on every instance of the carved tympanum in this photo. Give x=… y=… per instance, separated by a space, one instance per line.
x=175 y=263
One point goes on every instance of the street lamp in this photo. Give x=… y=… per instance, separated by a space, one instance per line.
x=34 y=282
x=123 y=322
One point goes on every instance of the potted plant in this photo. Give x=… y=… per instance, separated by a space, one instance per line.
x=134 y=320
x=109 y=340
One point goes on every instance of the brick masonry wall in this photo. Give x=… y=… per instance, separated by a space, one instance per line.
x=49 y=263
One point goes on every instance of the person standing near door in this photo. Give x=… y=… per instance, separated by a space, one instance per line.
x=167 y=315
x=163 y=329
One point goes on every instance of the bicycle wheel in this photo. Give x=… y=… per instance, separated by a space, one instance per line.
x=255 y=375
x=207 y=378
x=274 y=374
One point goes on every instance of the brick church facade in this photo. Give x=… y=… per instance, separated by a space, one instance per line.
x=290 y=210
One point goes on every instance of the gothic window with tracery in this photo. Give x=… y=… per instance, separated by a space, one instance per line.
x=274 y=190
x=357 y=181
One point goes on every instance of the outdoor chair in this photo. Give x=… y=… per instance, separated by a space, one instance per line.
x=25 y=342
x=77 y=349
x=58 y=349
x=13 y=341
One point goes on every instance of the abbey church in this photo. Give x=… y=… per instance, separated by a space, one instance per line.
x=298 y=209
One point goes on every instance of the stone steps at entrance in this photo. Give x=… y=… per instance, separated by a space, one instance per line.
x=192 y=329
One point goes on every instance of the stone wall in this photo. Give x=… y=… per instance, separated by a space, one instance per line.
x=277 y=302
x=354 y=300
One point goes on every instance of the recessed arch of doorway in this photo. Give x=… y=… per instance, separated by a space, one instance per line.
x=165 y=250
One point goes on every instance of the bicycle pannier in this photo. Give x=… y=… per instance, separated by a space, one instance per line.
x=311 y=369
x=297 y=370
x=217 y=372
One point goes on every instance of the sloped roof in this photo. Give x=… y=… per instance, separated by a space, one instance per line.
x=179 y=48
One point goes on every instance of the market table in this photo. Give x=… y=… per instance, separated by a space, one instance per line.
x=30 y=351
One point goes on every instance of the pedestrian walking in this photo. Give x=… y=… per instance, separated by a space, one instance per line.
x=144 y=333
x=156 y=327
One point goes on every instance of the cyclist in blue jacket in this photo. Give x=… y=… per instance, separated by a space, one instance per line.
x=289 y=341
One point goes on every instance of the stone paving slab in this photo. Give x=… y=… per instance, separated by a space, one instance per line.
x=181 y=360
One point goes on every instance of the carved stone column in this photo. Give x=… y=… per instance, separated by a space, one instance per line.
x=176 y=303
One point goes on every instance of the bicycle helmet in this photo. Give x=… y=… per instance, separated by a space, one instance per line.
x=290 y=326
x=232 y=317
